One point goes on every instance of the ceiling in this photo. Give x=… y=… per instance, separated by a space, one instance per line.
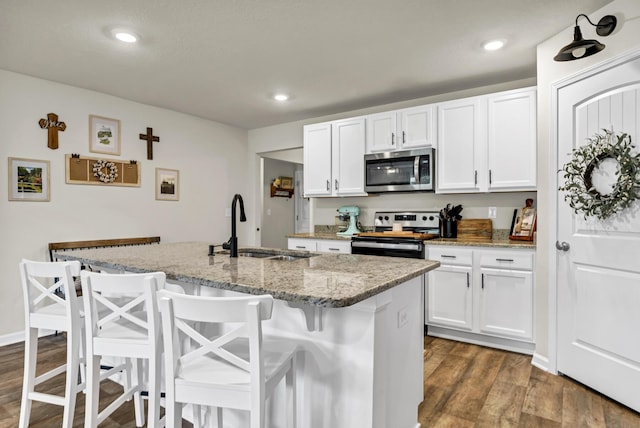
x=223 y=59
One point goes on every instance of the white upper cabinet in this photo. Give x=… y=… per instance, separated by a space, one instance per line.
x=511 y=140
x=404 y=129
x=381 y=132
x=416 y=127
x=334 y=158
x=317 y=159
x=487 y=143
x=460 y=146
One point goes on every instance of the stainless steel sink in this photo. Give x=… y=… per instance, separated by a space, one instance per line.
x=272 y=256
x=256 y=255
x=286 y=258
x=268 y=255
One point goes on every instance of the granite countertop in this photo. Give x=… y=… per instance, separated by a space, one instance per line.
x=320 y=235
x=495 y=243
x=327 y=280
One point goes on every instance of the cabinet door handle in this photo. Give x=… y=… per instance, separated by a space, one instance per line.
x=475 y=177
x=403 y=137
x=467 y=279
x=445 y=256
x=336 y=184
x=489 y=176
x=393 y=138
x=302 y=247
x=328 y=186
x=483 y=281
x=505 y=260
x=334 y=249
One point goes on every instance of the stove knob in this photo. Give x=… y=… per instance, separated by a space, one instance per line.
x=386 y=218
x=424 y=218
x=380 y=218
x=431 y=217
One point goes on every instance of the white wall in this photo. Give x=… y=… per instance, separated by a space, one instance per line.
x=278 y=212
x=626 y=37
x=211 y=158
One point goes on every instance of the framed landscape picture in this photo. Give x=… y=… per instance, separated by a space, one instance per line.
x=28 y=180
x=167 y=184
x=104 y=135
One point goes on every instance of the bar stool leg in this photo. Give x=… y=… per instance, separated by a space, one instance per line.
x=71 y=381
x=93 y=390
x=28 y=384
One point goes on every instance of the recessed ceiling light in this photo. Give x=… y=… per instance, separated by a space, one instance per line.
x=281 y=97
x=126 y=36
x=493 y=45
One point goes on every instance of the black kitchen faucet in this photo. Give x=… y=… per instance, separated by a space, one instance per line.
x=232 y=243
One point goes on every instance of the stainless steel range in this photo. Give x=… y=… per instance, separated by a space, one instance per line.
x=417 y=226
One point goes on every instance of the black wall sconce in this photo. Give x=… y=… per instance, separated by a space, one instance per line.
x=581 y=48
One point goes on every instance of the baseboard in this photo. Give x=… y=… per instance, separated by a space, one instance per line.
x=483 y=340
x=540 y=362
x=17 y=337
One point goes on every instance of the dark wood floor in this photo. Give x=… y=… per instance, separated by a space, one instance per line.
x=465 y=386
x=472 y=386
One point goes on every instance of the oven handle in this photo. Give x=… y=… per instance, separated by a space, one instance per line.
x=386 y=245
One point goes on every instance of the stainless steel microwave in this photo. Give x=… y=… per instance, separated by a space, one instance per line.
x=400 y=171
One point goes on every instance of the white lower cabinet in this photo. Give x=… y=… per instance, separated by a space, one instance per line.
x=320 y=245
x=449 y=294
x=506 y=306
x=482 y=296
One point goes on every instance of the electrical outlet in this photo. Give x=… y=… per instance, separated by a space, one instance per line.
x=492 y=212
x=268 y=211
x=402 y=317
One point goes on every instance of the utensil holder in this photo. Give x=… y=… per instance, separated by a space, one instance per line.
x=449 y=229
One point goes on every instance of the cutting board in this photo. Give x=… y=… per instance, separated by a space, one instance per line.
x=475 y=229
x=399 y=234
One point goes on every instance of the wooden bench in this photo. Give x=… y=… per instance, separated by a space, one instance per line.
x=100 y=243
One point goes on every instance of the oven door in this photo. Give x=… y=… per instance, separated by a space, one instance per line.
x=392 y=247
x=401 y=171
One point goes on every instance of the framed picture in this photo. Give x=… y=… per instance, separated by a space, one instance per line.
x=167 y=184
x=524 y=224
x=28 y=180
x=104 y=135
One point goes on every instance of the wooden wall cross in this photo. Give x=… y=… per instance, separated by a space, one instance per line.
x=52 y=124
x=150 y=138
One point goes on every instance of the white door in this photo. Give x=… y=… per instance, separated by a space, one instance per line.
x=598 y=270
x=301 y=206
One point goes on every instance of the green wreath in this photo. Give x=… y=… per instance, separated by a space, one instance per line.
x=580 y=192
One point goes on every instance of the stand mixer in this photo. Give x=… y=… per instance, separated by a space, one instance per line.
x=353 y=212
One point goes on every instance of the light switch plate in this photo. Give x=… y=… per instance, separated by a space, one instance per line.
x=492 y=212
x=227 y=212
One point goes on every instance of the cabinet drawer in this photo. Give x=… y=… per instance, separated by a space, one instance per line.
x=506 y=260
x=450 y=256
x=302 y=244
x=331 y=246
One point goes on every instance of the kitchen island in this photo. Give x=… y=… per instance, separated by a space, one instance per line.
x=358 y=321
